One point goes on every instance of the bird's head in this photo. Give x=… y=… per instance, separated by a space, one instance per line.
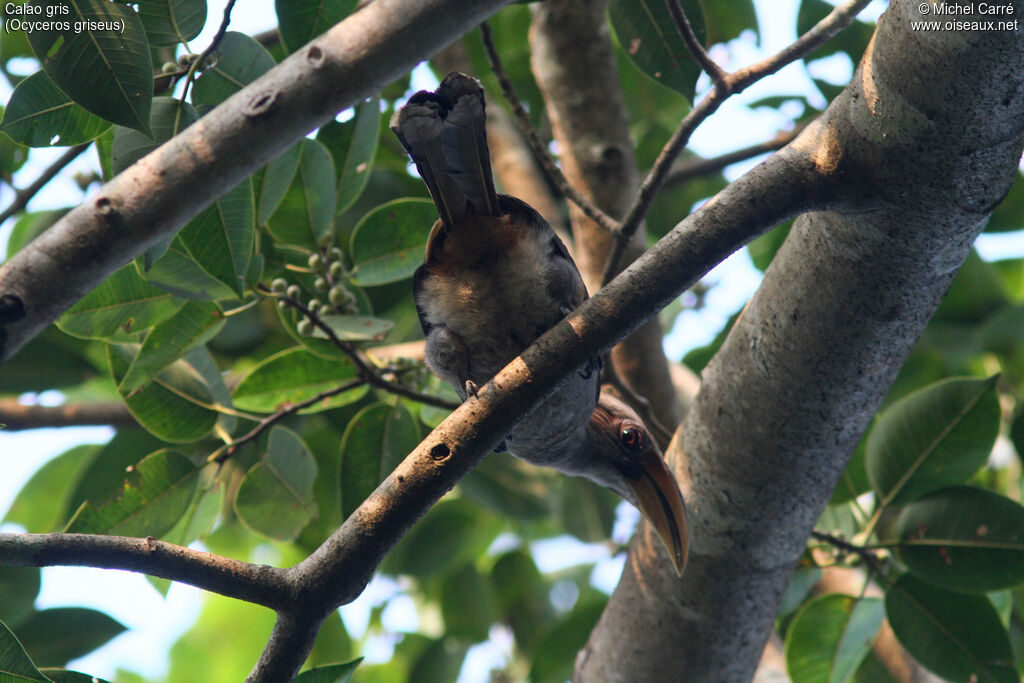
x=623 y=457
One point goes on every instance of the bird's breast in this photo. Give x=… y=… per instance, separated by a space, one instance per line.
x=492 y=290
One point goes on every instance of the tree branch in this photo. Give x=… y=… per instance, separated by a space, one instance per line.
x=693 y=45
x=785 y=401
x=540 y=151
x=24 y=196
x=590 y=120
x=254 y=583
x=687 y=169
x=159 y=193
x=728 y=85
x=16 y=416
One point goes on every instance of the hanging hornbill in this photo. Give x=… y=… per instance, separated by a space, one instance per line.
x=496 y=277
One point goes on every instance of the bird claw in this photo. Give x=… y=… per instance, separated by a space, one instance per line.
x=594 y=364
x=471 y=388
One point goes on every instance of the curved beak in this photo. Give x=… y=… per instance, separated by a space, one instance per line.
x=660 y=501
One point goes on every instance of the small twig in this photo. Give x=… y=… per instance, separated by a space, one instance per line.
x=199 y=63
x=716 y=72
x=16 y=416
x=224 y=23
x=24 y=196
x=228 y=449
x=254 y=583
x=547 y=164
x=732 y=84
x=694 y=168
x=366 y=371
x=868 y=557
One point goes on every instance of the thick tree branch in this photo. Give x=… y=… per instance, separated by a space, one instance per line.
x=16 y=416
x=159 y=193
x=574 y=62
x=921 y=146
x=254 y=583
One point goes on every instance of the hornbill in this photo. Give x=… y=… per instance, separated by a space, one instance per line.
x=496 y=277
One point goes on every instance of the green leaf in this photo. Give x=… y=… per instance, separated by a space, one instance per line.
x=306 y=213
x=169 y=22
x=19 y=586
x=556 y=653
x=299 y=21
x=976 y=293
x=510 y=487
x=440 y=660
x=15 y=665
x=101 y=477
x=800 y=585
x=195 y=323
x=1009 y=214
x=55 y=636
x=467 y=604
x=51 y=360
x=157 y=492
x=237 y=61
x=39 y=114
x=31 y=225
x=830 y=636
x=102 y=63
x=522 y=597
x=727 y=20
x=964 y=539
x=648 y=35
x=933 y=438
x=169 y=117
x=120 y=306
x=292 y=376
x=275 y=498
x=42 y=503
x=376 y=439
x=173 y=268
x=176 y=406
x=220 y=239
x=389 y=242
x=955 y=635
x=201 y=514
x=331 y=673
x=852 y=40
x=276 y=179
x=357 y=140
x=451 y=533
x=854 y=481
x=65 y=676
x=354 y=327
x=587 y=510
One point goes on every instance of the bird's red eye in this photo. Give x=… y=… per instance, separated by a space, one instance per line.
x=633 y=438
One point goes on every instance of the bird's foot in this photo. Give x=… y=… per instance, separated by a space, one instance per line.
x=502 y=447
x=471 y=388
x=592 y=366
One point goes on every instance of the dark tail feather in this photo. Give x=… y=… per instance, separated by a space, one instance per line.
x=445 y=133
x=464 y=141
x=420 y=126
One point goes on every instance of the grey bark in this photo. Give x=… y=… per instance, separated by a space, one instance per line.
x=918 y=150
